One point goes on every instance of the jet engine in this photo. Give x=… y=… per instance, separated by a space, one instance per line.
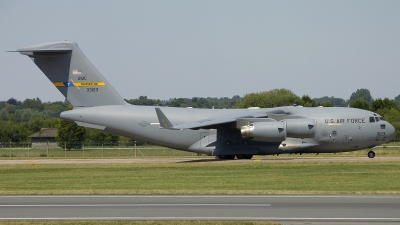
x=300 y=128
x=265 y=131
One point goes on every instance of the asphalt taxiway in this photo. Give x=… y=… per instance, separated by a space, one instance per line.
x=288 y=209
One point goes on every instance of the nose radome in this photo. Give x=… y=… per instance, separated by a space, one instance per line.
x=390 y=131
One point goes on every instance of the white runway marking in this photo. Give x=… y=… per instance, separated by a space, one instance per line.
x=135 y=205
x=343 y=209
x=211 y=218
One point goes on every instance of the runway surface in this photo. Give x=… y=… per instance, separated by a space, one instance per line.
x=198 y=160
x=287 y=209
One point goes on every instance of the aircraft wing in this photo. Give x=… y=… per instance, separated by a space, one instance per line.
x=206 y=123
x=215 y=121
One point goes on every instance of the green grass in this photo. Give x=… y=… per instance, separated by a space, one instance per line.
x=379 y=151
x=148 y=151
x=158 y=152
x=133 y=223
x=203 y=178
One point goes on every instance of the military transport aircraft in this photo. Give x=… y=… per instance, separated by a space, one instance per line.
x=225 y=133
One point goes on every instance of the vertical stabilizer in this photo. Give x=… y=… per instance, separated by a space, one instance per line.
x=73 y=74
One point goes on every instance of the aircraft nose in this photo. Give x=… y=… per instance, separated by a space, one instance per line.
x=390 y=131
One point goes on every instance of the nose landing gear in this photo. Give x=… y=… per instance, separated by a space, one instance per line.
x=371 y=154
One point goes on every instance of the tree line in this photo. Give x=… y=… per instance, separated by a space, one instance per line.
x=19 y=119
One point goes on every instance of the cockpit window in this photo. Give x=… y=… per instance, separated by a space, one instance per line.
x=381 y=118
x=372 y=119
x=376 y=119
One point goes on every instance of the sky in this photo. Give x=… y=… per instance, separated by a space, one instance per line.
x=173 y=49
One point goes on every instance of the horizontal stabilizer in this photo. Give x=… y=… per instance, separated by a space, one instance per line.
x=89 y=125
x=35 y=53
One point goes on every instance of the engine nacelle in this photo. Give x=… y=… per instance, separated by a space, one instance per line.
x=300 y=128
x=265 y=131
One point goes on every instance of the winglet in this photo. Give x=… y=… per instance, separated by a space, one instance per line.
x=164 y=122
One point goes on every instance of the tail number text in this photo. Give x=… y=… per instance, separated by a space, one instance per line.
x=92 y=89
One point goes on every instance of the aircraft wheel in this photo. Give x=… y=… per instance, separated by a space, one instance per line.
x=226 y=157
x=371 y=154
x=244 y=156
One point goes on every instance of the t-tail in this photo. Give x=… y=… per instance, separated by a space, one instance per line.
x=73 y=74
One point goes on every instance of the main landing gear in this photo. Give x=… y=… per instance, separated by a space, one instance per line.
x=244 y=156
x=371 y=154
x=226 y=157
x=230 y=157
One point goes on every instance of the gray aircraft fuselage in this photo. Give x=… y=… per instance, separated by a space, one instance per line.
x=226 y=133
x=337 y=129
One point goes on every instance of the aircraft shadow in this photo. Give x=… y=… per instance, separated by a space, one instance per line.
x=201 y=160
x=234 y=160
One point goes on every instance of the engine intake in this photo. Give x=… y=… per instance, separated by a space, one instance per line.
x=265 y=131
